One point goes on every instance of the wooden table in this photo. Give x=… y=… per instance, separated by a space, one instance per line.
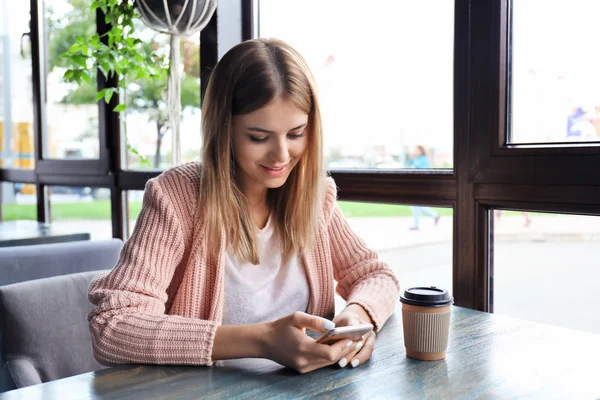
x=21 y=233
x=489 y=357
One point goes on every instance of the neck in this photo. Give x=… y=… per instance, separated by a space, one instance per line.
x=257 y=202
x=256 y=198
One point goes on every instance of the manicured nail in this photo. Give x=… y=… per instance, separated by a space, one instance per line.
x=328 y=325
x=349 y=344
x=343 y=362
x=355 y=363
x=359 y=345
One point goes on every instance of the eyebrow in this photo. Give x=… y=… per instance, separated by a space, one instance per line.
x=256 y=129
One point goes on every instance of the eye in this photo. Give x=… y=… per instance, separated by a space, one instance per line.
x=296 y=135
x=257 y=139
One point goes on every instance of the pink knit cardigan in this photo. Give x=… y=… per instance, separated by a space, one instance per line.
x=163 y=301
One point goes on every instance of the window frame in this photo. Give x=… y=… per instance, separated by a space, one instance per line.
x=558 y=178
x=494 y=159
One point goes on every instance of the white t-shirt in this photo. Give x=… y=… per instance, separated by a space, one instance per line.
x=263 y=292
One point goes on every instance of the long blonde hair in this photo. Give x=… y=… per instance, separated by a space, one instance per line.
x=247 y=78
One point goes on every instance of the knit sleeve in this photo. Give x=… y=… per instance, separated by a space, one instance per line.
x=128 y=323
x=362 y=278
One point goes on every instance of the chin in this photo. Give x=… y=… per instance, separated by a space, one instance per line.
x=276 y=183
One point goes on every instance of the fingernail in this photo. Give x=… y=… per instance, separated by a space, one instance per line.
x=343 y=362
x=349 y=344
x=355 y=362
x=328 y=325
x=359 y=345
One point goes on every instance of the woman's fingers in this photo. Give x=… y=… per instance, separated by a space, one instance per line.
x=311 y=355
x=354 y=349
x=318 y=324
x=364 y=353
x=346 y=320
x=333 y=352
x=325 y=355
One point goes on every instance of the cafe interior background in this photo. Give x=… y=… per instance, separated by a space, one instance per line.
x=506 y=107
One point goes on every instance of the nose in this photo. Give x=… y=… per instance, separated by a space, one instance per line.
x=279 y=152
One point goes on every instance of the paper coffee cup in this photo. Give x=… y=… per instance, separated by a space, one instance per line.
x=426 y=322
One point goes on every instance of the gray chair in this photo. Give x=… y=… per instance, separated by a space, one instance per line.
x=24 y=263
x=45 y=330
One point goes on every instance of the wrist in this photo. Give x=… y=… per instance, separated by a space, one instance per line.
x=240 y=341
x=359 y=311
x=262 y=336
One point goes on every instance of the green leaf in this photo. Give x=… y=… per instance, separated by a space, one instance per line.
x=104 y=72
x=77 y=76
x=108 y=95
x=80 y=60
x=95 y=42
x=120 y=108
x=100 y=94
x=86 y=77
x=68 y=75
x=74 y=48
x=143 y=160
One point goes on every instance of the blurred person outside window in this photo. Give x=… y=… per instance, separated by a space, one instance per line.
x=419 y=159
x=580 y=126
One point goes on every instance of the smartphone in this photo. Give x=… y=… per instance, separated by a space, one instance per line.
x=354 y=332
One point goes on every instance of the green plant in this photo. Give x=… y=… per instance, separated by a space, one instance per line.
x=141 y=65
x=117 y=52
x=143 y=160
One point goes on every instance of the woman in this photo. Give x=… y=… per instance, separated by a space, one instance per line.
x=234 y=257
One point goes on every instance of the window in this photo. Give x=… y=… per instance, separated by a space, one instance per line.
x=18 y=201
x=545 y=268
x=146 y=129
x=81 y=209
x=418 y=257
x=547 y=175
x=449 y=76
x=71 y=109
x=555 y=80
x=386 y=97
x=16 y=107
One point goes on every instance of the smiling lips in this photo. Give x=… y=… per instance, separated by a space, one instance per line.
x=275 y=171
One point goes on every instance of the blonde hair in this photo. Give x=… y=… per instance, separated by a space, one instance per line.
x=247 y=78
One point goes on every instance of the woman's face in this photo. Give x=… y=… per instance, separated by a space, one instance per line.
x=267 y=144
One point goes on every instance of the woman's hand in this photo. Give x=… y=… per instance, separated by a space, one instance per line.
x=355 y=315
x=286 y=342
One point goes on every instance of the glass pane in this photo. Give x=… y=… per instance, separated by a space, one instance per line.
x=16 y=93
x=19 y=201
x=134 y=204
x=555 y=81
x=384 y=73
x=418 y=257
x=72 y=110
x=146 y=123
x=81 y=209
x=545 y=268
